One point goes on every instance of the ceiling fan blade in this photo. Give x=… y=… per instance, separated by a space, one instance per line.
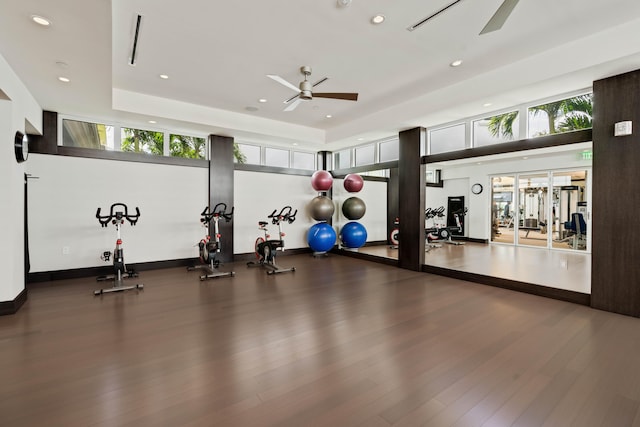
x=283 y=82
x=293 y=105
x=345 y=96
x=500 y=17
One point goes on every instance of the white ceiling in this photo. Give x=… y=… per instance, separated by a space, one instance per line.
x=217 y=55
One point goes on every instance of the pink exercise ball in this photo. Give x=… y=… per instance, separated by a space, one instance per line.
x=353 y=183
x=321 y=180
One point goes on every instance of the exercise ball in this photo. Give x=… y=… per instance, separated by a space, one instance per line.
x=321 y=237
x=321 y=180
x=353 y=208
x=353 y=183
x=321 y=208
x=353 y=235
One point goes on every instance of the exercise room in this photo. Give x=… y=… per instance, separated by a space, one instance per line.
x=336 y=213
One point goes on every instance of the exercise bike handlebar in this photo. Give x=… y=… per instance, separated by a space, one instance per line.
x=118 y=215
x=430 y=213
x=285 y=214
x=219 y=210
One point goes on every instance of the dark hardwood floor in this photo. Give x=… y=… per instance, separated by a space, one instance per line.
x=339 y=342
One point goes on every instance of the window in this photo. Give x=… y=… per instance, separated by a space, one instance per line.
x=249 y=154
x=389 y=150
x=276 y=157
x=189 y=147
x=561 y=116
x=365 y=155
x=304 y=160
x=343 y=159
x=496 y=129
x=451 y=138
x=87 y=135
x=142 y=141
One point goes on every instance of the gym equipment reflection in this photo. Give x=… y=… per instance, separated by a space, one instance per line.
x=557 y=220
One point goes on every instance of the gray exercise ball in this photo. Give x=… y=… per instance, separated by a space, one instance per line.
x=353 y=208
x=321 y=208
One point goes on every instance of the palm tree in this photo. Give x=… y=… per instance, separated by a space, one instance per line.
x=562 y=116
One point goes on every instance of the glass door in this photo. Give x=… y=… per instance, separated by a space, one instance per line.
x=502 y=209
x=533 y=206
x=570 y=210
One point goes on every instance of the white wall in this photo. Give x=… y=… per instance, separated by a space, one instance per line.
x=64 y=200
x=374 y=196
x=18 y=112
x=257 y=194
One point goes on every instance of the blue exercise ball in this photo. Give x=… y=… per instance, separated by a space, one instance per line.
x=321 y=237
x=353 y=235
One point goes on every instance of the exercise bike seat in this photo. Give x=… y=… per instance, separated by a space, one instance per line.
x=262 y=223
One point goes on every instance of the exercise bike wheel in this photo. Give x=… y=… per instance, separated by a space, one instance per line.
x=259 y=240
x=394 y=237
x=444 y=234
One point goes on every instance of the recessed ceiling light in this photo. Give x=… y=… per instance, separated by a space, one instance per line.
x=295 y=143
x=360 y=139
x=164 y=76
x=152 y=121
x=262 y=100
x=525 y=158
x=328 y=116
x=64 y=79
x=456 y=63
x=487 y=104
x=62 y=64
x=40 y=20
x=378 y=19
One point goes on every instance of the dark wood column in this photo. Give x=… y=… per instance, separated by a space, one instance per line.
x=411 y=182
x=47 y=143
x=615 y=266
x=393 y=201
x=221 y=188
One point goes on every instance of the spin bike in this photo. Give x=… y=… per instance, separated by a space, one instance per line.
x=440 y=231
x=210 y=247
x=266 y=249
x=118 y=213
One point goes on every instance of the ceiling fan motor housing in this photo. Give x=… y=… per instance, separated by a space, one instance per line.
x=305 y=90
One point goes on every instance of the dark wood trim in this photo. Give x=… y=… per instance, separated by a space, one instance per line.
x=76 y=273
x=325 y=160
x=341 y=173
x=47 y=143
x=271 y=169
x=91 y=153
x=366 y=257
x=529 y=288
x=251 y=256
x=12 y=307
x=556 y=140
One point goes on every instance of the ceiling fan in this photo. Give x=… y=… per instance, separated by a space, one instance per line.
x=305 y=93
x=495 y=23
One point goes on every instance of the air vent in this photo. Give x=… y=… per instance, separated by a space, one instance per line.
x=135 y=41
x=428 y=18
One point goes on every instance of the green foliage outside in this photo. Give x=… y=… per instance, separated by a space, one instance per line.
x=142 y=141
x=188 y=147
x=562 y=116
x=150 y=142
